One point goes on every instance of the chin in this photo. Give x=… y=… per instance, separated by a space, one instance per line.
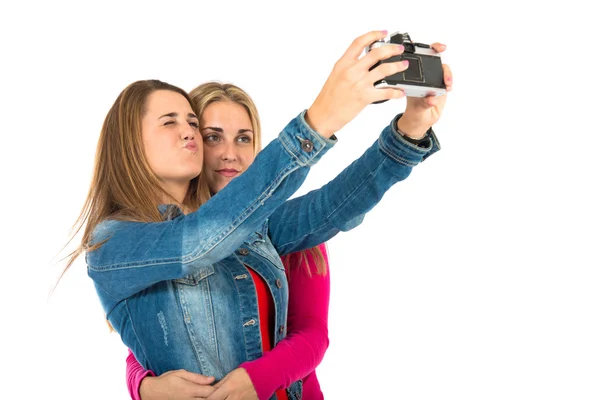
x=215 y=187
x=190 y=177
x=194 y=173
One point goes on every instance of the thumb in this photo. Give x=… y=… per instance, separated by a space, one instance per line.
x=420 y=104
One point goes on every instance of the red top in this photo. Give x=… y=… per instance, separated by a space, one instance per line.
x=266 y=318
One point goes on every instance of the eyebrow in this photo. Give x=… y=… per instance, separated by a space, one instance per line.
x=220 y=130
x=174 y=114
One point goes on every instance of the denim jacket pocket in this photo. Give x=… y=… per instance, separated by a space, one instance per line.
x=195 y=278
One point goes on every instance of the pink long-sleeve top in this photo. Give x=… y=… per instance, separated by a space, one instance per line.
x=298 y=354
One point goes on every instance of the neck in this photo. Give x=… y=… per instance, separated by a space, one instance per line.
x=176 y=190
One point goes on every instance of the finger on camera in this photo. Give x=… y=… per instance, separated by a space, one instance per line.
x=387 y=69
x=429 y=101
x=379 y=54
x=423 y=102
x=447 y=77
x=387 y=94
x=360 y=43
x=439 y=47
x=435 y=101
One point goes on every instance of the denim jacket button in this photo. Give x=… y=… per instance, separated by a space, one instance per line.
x=243 y=252
x=281 y=328
x=307 y=145
x=278 y=283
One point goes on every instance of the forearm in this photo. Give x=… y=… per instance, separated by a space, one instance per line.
x=292 y=359
x=135 y=375
x=341 y=204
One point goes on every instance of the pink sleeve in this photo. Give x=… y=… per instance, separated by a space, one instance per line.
x=301 y=351
x=135 y=374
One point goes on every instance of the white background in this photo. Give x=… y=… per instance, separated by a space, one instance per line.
x=476 y=278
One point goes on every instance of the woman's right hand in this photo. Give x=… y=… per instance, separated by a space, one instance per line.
x=176 y=385
x=350 y=85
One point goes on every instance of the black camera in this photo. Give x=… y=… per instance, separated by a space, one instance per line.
x=424 y=76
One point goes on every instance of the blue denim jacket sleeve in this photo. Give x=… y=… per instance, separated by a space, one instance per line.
x=341 y=204
x=138 y=255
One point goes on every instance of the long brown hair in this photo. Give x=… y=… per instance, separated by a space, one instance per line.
x=207 y=93
x=123 y=184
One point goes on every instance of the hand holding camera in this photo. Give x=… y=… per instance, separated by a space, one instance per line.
x=425 y=82
x=423 y=112
x=424 y=75
x=349 y=87
x=356 y=82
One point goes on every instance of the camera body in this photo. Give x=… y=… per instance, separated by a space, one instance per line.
x=424 y=76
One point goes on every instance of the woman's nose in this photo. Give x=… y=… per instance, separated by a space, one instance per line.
x=228 y=153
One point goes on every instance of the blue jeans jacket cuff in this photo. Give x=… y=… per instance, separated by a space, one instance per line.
x=303 y=143
x=403 y=151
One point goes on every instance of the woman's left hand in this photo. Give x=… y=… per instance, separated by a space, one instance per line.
x=422 y=112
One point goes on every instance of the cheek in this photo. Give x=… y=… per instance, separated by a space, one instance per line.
x=152 y=152
x=210 y=155
x=247 y=158
x=160 y=144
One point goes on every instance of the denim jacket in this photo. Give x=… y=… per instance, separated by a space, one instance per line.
x=178 y=292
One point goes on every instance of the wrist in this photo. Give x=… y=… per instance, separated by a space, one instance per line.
x=318 y=123
x=410 y=128
x=145 y=390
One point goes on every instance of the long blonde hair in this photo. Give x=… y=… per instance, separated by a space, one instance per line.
x=123 y=184
x=207 y=93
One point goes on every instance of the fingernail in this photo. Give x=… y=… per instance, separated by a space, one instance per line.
x=405 y=63
x=384 y=32
x=400 y=48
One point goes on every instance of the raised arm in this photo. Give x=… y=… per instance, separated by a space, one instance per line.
x=342 y=204
x=138 y=255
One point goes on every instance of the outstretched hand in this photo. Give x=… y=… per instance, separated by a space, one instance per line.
x=422 y=112
x=350 y=85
